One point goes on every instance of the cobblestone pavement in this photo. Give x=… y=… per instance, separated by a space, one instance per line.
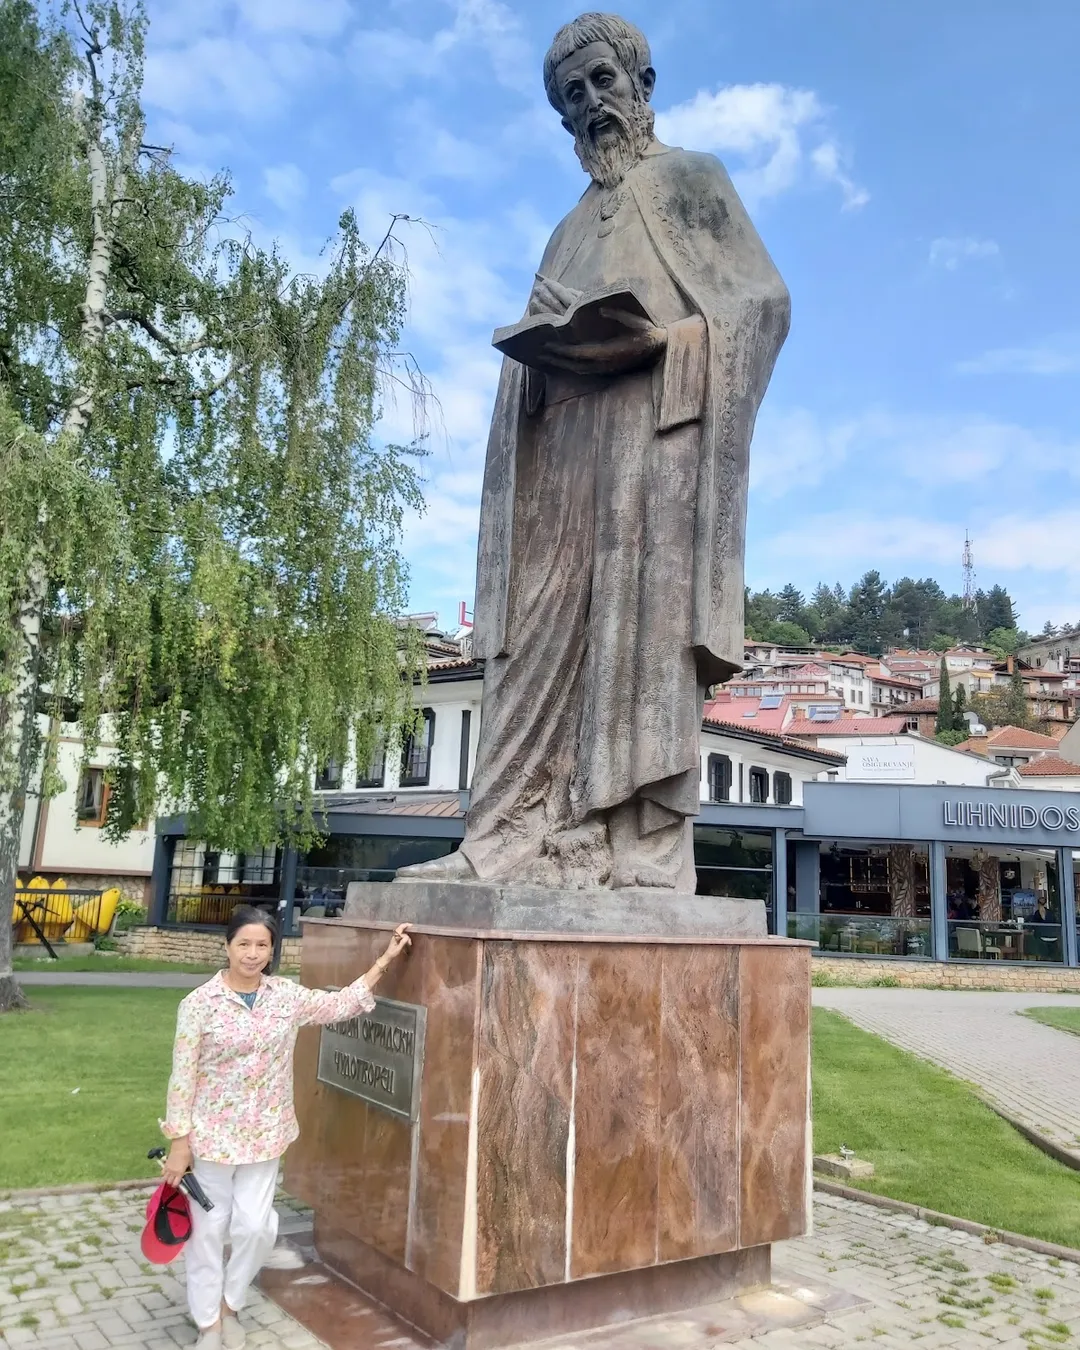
x=72 y=1278
x=1030 y=1070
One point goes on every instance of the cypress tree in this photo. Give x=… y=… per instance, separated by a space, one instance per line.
x=946 y=713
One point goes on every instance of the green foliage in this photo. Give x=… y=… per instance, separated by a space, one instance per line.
x=946 y=711
x=193 y=497
x=873 y=616
x=953 y=737
x=867 y=614
x=786 y=634
x=1004 y=641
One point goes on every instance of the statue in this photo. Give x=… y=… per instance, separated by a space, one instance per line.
x=610 y=567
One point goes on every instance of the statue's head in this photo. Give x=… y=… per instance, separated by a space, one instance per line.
x=598 y=75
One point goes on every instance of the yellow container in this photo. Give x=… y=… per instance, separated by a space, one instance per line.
x=57 y=916
x=94 y=916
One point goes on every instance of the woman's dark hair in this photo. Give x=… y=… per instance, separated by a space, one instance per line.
x=243 y=915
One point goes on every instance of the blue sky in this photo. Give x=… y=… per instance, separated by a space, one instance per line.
x=911 y=166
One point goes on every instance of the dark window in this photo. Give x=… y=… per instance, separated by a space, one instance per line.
x=759 y=785
x=329 y=777
x=373 y=775
x=719 y=778
x=92 y=797
x=416 y=753
x=463 y=757
x=781 y=787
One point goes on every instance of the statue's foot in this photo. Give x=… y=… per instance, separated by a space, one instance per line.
x=643 y=877
x=454 y=867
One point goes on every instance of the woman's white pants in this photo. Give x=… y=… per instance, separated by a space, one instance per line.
x=243 y=1215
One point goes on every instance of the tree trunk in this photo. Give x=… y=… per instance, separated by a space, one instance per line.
x=23 y=730
x=22 y=726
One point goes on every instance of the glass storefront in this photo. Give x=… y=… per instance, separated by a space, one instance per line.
x=205 y=886
x=736 y=863
x=323 y=875
x=874 y=900
x=1003 y=903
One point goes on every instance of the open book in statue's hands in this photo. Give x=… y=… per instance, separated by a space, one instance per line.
x=597 y=318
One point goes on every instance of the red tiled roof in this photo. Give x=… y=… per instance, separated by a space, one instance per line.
x=1017 y=738
x=1049 y=766
x=454 y=663
x=922 y=705
x=788 y=742
x=851 y=726
x=737 y=712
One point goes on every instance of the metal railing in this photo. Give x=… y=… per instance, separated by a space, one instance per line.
x=863 y=934
x=47 y=915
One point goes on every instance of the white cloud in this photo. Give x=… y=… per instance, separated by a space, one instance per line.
x=285 y=185
x=776 y=130
x=952 y=251
x=1059 y=356
x=395 y=57
x=795 y=449
x=231 y=74
x=315 y=18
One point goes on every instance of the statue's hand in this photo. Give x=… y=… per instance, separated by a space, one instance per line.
x=640 y=345
x=550 y=297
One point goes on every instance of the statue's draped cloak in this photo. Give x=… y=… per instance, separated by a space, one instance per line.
x=637 y=484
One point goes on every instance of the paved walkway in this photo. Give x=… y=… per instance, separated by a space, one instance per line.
x=120 y=979
x=1030 y=1070
x=72 y=1278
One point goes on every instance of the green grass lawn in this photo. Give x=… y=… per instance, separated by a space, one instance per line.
x=931 y=1140
x=115 y=1046
x=1065 y=1019
x=110 y=963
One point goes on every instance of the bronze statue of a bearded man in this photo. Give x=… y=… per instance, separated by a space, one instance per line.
x=610 y=569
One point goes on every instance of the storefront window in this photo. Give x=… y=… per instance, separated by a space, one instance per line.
x=323 y=876
x=1003 y=903
x=874 y=900
x=737 y=863
x=205 y=885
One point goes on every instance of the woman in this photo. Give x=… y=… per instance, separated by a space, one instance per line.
x=230 y=1108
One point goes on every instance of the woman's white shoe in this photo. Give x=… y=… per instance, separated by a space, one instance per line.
x=209 y=1339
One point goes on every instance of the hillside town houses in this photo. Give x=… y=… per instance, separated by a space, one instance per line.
x=824 y=792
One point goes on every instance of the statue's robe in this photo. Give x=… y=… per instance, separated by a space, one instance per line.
x=610 y=566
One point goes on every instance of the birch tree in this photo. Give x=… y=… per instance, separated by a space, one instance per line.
x=199 y=536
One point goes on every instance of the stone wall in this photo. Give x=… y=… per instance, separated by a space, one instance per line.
x=184 y=944
x=1019 y=975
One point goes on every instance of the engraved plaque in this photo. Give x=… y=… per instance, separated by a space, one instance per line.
x=378 y=1056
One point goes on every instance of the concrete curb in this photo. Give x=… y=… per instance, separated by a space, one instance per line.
x=1066 y=1156
x=83 y=1188
x=932 y=1216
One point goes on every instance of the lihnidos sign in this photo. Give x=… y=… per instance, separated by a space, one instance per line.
x=1009 y=816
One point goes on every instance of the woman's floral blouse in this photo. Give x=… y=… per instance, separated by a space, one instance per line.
x=231 y=1088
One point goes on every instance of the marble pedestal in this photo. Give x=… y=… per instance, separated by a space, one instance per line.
x=608 y=1127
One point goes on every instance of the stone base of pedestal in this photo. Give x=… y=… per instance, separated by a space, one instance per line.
x=532 y=1315
x=542 y=1132
x=539 y=909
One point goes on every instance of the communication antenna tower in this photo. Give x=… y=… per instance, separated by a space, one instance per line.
x=969 y=574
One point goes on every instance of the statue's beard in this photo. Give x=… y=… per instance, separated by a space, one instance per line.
x=608 y=163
